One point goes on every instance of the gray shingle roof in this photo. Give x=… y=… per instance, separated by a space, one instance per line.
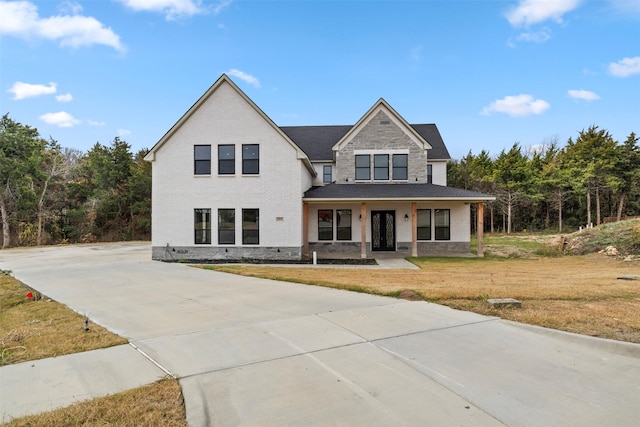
x=317 y=141
x=393 y=192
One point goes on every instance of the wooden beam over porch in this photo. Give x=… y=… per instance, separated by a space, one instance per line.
x=480 y=229
x=363 y=230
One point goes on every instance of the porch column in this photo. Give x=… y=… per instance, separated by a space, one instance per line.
x=363 y=230
x=305 y=230
x=414 y=229
x=480 y=229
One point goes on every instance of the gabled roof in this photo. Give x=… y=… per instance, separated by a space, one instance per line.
x=317 y=141
x=413 y=192
x=224 y=79
x=382 y=105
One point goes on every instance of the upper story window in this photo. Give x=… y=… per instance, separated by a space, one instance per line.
x=430 y=174
x=400 y=163
x=202 y=159
x=363 y=167
x=381 y=167
x=326 y=174
x=226 y=159
x=250 y=159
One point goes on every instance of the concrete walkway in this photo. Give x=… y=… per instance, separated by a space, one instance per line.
x=258 y=352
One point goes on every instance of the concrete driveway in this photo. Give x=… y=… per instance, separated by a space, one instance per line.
x=259 y=352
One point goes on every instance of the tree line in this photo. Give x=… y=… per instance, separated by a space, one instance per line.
x=553 y=187
x=50 y=194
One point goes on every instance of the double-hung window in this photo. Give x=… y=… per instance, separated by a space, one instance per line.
x=226 y=159
x=443 y=224
x=400 y=162
x=250 y=159
x=325 y=225
x=202 y=159
x=381 y=167
x=363 y=167
x=429 y=174
x=250 y=226
x=424 y=224
x=343 y=224
x=202 y=226
x=226 y=226
x=326 y=174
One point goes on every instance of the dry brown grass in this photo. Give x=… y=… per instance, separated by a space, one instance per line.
x=158 y=404
x=578 y=293
x=32 y=329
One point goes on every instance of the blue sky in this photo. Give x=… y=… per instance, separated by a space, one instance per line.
x=488 y=73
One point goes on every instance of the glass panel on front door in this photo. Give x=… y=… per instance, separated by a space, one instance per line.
x=383 y=230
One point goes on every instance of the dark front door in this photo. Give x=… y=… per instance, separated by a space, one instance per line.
x=383 y=235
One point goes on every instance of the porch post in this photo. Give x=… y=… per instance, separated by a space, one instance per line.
x=363 y=230
x=305 y=230
x=480 y=229
x=414 y=229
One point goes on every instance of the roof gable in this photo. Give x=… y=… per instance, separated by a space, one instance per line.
x=398 y=120
x=225 y=80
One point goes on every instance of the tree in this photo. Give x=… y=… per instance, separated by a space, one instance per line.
x=627 y=169
x=20 y=150
x=52 y=166
x=512 y=178
x=591 y=159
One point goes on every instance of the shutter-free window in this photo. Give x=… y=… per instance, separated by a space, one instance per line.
x=381 y=167
x=226 y=159
x=202 y=226
x=363 y=167
x=202 y=159
x=400 y=162
x=424 y=224
x=226 y=226
x=250 y=159
x=443 y=224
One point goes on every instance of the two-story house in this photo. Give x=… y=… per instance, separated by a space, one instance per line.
x=228 y=183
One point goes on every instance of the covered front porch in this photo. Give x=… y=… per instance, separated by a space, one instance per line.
x=388 y=228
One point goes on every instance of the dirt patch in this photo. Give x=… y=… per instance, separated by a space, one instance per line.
x=410 y=295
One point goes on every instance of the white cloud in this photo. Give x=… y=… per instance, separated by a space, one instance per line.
x=124 y=132
x=248 y=78
x=529 y=12
x=61 y=119
x=21 y=19
x=64 y=98
x=536 y=36
x=585 y=95
x=70 y=7
x=95 y=123
x=626 y=6
x=221 y=5
x=171 y=8
x=625 y=67
x=518 y=105
x=22 y=90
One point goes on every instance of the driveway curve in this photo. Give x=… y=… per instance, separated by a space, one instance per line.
x=250 y=351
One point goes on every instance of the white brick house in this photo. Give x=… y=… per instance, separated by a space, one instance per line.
x=228 y=183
